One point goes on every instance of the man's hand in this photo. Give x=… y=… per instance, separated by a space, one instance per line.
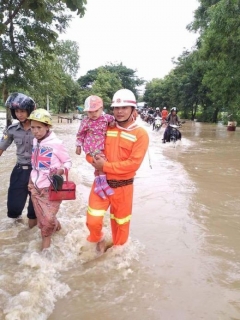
x=98 y=162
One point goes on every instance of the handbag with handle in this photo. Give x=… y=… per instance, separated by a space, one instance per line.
x=65 y=192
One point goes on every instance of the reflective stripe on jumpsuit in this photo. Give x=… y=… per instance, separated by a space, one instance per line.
x=120 y=214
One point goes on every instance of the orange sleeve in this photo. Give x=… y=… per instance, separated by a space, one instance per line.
x=127 y=167
x=89 y=158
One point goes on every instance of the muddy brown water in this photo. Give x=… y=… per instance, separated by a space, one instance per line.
x=183 y=257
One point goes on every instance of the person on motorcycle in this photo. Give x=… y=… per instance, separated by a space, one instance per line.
x=172 y=118
x=149 y=117
x=157 y=113
x=150 y=111
x=164 y=114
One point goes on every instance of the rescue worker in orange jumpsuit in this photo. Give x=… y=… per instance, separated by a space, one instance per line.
x=125 y=148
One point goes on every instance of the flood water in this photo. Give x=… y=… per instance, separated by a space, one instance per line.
x=182 y=260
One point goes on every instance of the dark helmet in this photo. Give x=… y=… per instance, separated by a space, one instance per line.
x=19 y=101
x=174 y=109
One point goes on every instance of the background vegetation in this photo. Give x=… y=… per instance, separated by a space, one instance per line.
x=203 y=84
x=205 y=81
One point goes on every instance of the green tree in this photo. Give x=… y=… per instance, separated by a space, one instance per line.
x=181 y=88
x=49 y=77
x=70 y=99
x=217 y=22
x=88 y=79
x=202 y=16
x=67 y=54
x=192 y=93
x=154 y=95
x=25 y=25
x=105 y=85
x=127 y=76
x=220 y=48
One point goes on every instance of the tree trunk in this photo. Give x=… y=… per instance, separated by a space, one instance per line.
x=8 y=112
x=215 y=115
x=192 y=115
x=194 y=110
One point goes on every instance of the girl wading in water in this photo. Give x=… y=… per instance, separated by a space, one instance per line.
x=49 y=156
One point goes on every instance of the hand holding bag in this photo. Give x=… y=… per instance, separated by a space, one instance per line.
x=66 y=192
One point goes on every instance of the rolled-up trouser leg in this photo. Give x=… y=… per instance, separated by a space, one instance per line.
x=95 y=214
x=45 y=210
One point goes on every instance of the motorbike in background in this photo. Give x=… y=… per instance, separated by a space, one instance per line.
x=175 y=134
x=158 y=123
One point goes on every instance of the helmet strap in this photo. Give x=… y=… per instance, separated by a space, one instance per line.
x=125 y=121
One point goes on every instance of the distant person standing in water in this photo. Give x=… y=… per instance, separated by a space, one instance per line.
x=20 y=106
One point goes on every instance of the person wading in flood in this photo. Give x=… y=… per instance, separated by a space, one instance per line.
x=125 y=148
x=21 y=106
x=49 y=157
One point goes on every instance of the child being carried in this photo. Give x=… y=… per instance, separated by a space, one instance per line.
x=91 y=137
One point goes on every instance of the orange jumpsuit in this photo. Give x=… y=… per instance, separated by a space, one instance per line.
x=125 y=150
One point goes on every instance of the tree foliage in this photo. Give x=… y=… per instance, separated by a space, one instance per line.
x=51 y=77
x=181 y=88
x=29 y=30
x=106 y=83
x=202 y=16
x=205 y=80
x=68 y=57
x=220 y=48
x=26 y=25
x=126 y=76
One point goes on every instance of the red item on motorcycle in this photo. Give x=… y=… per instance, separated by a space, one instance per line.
x=67 y=192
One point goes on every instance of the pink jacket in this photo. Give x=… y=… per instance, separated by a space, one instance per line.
x=92 y=133
x=50 y=153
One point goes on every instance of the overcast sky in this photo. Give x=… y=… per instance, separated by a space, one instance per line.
x=142 y=34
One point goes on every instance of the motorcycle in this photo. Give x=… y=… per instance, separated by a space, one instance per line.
x=157 y=123
x=174 y=133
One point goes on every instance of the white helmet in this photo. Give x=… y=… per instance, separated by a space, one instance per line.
x=124 y=98
x=157 y=109
x=164 y=108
